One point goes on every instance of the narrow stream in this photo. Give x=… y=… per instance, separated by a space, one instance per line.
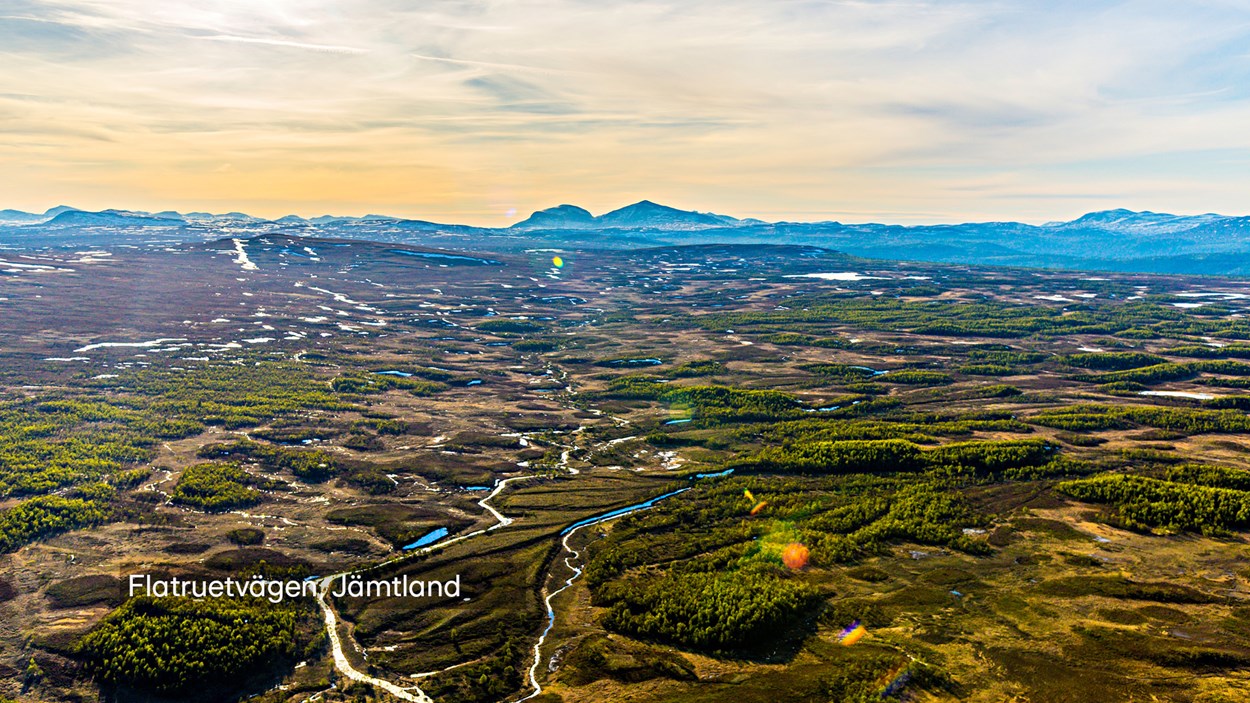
x=414 y=692
x=577 y=571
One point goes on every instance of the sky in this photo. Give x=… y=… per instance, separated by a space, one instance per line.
x=482 y=111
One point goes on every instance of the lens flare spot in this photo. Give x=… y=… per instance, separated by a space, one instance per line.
x=759 y=506
x=852 y=634
x=557 y=262
x=892 y=683
x=794 y=556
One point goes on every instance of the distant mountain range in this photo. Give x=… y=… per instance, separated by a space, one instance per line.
x=1116 y=240
x=641 y=215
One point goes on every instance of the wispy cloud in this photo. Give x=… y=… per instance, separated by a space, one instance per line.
x=490 y=64
x=286 y=43
x=965 y=107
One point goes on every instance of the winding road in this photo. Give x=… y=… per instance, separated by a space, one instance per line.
x=341 y=662
x=414 y=692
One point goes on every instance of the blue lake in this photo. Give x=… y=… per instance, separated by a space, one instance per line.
x=403 y=374
x=430 y=538
x=871 y=370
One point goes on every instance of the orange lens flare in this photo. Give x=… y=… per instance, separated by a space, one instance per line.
x=852 y=634
x=794 y=556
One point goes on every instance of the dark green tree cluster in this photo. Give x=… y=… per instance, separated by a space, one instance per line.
x=47 y=515
x=895 y=455
x=694 y=369
x=1143 y=502
x=636 y=387
x=1228 y=351
x=1108 y=417
x=991 y=457
x=980 y=318
x=1007 y=357
x=1082 y=418
x=370 y=383
x=793 y=338
x=318 y=465
x=990 y=370
x=665 y=540
x=1113 y=361
x=922 y=513
x=920 y=428
x=917 y=377
x=839 y=457
x=312 y=465
x=715 y=612
x=88 y=438
x=174 y=646
x=709 y=403
x=737 y=402
x=382 y=425
x=1169 y=371
x=1239 y=402
x=536 y=345
x=486 y=681
x=506 y=327
x=131 y=478
x=226 y=394
x=217 y=487
x=696 y=561
x=55 y=443
x=1209 y=475
x=847 y=373
x=1188 y=421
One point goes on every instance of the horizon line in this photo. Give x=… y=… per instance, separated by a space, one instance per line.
x=518 y=219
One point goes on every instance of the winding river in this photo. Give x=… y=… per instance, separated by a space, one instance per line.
x=414 y=692
x=572 y=555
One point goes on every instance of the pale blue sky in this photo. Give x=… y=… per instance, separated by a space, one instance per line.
x=891 y=111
